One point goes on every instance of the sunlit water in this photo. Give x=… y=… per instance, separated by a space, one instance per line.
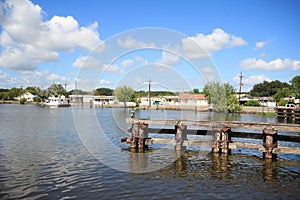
x=43 y=157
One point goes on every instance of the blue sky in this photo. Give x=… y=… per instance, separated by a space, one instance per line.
x=44 y=42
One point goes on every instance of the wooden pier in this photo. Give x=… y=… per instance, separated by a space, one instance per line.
x=288 y=113
x=220 y=132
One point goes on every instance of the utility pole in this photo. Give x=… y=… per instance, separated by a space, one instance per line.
x=149 y=93
x=241 y=83
x=21 y=95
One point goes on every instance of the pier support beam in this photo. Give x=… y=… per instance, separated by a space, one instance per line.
x=269 y=143
x=143 y=135
x=220 y=140
x=139 y=134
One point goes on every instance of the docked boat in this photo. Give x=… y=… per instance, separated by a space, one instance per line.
x=56 y=102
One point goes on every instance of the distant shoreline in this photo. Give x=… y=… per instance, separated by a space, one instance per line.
x=245 y=109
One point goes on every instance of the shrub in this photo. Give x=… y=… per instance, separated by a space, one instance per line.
x=23 y=100
x=252 y=103
x=282 y=102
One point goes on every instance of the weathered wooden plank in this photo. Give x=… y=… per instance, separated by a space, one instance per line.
x=233 y=145
x=286 y=138
x=232 y=124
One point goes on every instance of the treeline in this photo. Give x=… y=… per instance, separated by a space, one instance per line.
x=277 y=89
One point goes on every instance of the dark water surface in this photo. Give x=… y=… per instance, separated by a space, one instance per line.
x=42 y=157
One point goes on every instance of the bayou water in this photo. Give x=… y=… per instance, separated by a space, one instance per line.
x=42 y=156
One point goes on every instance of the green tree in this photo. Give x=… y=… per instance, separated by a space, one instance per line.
x=222 y=96
x=281 y=93
x=252 y=103
x=57 y=90
x=267 y=89
x=104 y=91
x=296 y=85
x=196 y=91
x=32 y=90
x=124 y=94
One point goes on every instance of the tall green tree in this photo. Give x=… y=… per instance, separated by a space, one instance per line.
x=124 y=94
x=222 y=96
x=104 y=91
x=57 y=90
x=267 y=89
x=296 y=86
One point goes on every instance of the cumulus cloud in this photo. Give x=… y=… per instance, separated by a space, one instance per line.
x=26 y=40
x=105 y=83
x=277 y=64
x=130 y=42
x=127 y=63
x=6 y=80
x=169 y=59
x=259 y=45
x=249 y=82
x=112 y=68
x=203 y=45
x=86 y=62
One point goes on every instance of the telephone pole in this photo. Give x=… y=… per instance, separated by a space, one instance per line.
x=241 y=83
x=149 y=92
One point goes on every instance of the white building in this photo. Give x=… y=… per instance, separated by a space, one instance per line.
x=27 y=95
x=186 y=99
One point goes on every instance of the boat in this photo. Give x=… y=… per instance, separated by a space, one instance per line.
x=56 y=102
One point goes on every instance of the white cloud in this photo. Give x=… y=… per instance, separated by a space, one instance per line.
x=169 y=59
x=112 y=68
x=5 y=80
x=208 y=70
x=277 y=64
x=43 y=78
x=130 y=42
x=249 y=82
x=86 y=62
x=105 y=83
x=26 y=40
x=127 y=63
x=259 y=45
x=203 y=45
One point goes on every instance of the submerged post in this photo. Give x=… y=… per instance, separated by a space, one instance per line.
x=225 y=139
x=180 y=136
x=269 y=142
x=142 y=135
x=220 y=139
x=216 y=137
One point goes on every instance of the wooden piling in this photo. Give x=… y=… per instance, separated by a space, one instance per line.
x=180 y=136
x=225 y=139
x=216 y=137
x=143 y=134
x=269 y=143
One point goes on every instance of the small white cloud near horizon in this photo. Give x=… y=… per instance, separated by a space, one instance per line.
x=277 y=64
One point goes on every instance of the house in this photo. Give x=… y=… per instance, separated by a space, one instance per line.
x=103 y=100
x=27 y=95
x=186 y=99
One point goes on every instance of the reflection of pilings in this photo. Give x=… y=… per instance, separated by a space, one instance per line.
x=269 y=170
x=220 y=166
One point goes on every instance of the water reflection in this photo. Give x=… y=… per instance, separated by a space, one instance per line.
x=269 y=170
